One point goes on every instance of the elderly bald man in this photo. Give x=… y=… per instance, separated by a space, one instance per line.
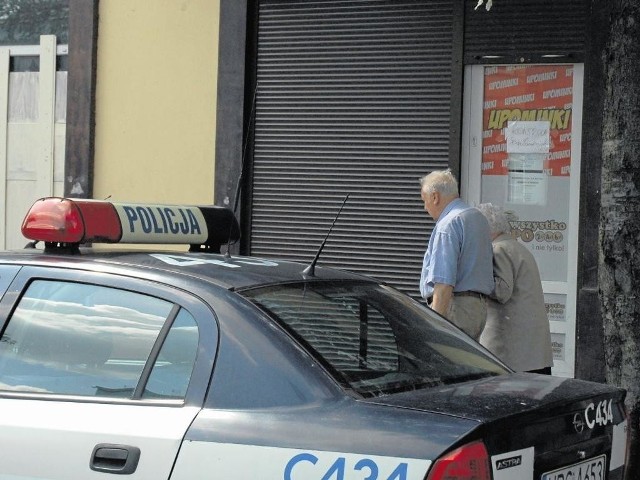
x=457 y=270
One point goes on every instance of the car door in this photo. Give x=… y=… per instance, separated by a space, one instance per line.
x=99 y=374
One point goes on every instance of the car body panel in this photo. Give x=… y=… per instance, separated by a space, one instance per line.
x=346 y=425
x=60 y=437
x=231 y=272
x=198 y=459
x=500 y=397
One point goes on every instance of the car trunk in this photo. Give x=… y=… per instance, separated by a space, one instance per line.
x=548 y=422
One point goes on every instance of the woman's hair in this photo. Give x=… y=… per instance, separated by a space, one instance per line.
x=441 y=181
x=497 y=217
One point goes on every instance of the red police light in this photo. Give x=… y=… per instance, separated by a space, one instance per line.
x=67 y=221
x=73 y=221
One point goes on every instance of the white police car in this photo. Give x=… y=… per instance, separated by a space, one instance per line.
x=195 y=365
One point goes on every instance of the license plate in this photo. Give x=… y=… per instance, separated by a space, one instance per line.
x=592 y=469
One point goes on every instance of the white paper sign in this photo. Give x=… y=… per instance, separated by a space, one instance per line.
x=527 y=137
x=526 y=188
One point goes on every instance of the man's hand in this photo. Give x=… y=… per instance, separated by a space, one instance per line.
x=442 y=294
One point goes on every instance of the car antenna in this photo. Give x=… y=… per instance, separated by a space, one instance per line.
x=236 y=199
x=310 y=271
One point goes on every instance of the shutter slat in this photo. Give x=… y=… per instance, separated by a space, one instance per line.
x=354 y=96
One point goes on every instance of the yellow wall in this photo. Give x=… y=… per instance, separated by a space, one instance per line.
x=156 y=100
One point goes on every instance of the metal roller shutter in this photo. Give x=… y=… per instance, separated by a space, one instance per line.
x=353 y=97
x=525 y=31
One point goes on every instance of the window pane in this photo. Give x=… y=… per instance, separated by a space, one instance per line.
x=372 y=338
x=23 y=21
x=78 y=339
x=172 y=371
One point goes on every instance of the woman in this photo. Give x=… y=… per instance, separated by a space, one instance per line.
x=517 y=329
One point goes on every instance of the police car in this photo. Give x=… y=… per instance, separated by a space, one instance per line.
x=189 y=364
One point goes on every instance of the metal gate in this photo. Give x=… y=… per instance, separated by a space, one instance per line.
x=353 y=97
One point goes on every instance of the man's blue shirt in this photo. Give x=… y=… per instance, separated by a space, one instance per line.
x=459 y=252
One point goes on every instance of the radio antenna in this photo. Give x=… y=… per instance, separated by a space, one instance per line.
x=310 y=271
x=244 y=154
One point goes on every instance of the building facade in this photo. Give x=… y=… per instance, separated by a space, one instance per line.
x=295 y=110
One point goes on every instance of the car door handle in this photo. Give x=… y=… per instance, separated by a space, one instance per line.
x=116 y=459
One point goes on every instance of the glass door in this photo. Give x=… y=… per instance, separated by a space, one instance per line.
x=521 y=150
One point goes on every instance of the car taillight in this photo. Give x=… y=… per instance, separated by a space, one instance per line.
x=469 y=462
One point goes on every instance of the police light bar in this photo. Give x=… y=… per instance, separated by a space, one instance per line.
x=67 y=221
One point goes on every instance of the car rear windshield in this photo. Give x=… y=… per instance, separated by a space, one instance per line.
x=373 y=339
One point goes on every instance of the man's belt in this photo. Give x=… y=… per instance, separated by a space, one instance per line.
x=468 y=293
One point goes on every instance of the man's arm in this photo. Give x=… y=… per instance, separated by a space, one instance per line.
x=442 y=294
x=503 y=274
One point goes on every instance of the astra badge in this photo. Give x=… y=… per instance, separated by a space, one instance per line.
x=578 y=423
x=509 y=462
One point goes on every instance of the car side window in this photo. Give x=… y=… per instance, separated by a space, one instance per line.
x=172 y=370
x=70 y=338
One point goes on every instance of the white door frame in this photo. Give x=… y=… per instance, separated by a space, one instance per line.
x=470 y=186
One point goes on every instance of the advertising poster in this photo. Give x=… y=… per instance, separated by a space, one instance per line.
x=526 y=156
x=540 y=93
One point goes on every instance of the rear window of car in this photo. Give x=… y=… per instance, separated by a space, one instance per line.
x=373 y=339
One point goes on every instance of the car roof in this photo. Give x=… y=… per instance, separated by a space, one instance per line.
x=107 y=228
x=229 y=272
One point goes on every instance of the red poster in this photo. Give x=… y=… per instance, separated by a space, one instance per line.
x=527 y=93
